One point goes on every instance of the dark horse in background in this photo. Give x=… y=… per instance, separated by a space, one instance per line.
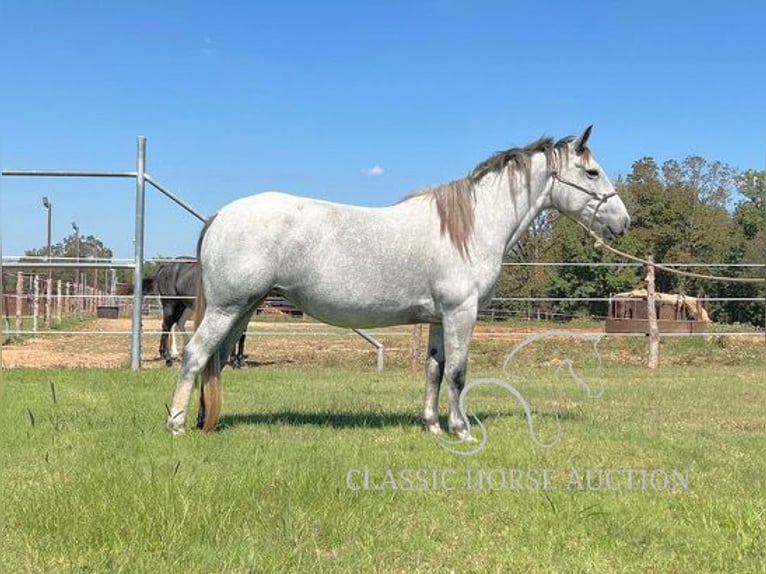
x=176 y=284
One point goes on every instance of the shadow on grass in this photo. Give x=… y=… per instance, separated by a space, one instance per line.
x=252 y=363
x=246 y=363
x=359 y=419
x=362 y=419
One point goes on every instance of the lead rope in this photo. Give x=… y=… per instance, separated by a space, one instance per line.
x=600 y=243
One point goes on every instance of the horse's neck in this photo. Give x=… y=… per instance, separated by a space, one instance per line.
x=503 y=215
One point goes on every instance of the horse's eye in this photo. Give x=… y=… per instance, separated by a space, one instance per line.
x=591 y=173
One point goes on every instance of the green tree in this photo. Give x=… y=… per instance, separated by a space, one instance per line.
x=748 y=245
x=74 y=248
x=598 y=278
x=750 y=212
x=527 y=280
x=679 y=215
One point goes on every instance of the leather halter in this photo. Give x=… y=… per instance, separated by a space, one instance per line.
x=601 y=198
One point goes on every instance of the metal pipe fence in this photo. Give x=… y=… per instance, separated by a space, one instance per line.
x=141 y=179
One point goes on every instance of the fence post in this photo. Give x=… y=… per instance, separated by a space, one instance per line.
x=19 y=300
x=35 y=301
x=417 y=337
x=58 y=301
x=375 y=343
x=651 y=315
x=76 y=297
x=138 y=271
x=84 y=301
x=48 y=299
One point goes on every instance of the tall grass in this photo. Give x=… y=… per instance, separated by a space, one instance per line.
x=92 y=482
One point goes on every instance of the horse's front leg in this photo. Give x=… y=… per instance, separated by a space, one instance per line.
x=173 y=344
x=182 y=324
x=434 y=374
x=163 y=342
x=458 y=326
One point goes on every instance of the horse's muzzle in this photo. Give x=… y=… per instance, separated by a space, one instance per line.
x=621 y=228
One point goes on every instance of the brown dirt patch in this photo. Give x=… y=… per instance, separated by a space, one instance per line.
x=278 y=342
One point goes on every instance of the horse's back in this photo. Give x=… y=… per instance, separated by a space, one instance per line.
x=176 y=283
x=288 y=227
x=340 y=263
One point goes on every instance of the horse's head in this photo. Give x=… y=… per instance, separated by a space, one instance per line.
x=582 y=191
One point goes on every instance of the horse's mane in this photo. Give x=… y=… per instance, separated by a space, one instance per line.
x=455 y=201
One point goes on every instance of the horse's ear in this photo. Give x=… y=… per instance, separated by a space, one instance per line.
x=581 y=143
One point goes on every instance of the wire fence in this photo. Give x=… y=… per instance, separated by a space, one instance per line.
x=35 y=305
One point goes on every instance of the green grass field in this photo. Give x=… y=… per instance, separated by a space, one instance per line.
x=325 y=468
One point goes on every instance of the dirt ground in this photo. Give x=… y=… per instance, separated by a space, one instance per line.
x=278 y=342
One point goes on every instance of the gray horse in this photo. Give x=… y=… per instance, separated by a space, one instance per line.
x=176 y=284
x=433 y=257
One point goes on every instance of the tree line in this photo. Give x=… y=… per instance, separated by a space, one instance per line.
x=688 y=211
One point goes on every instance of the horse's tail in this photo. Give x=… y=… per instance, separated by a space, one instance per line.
x=210 y=376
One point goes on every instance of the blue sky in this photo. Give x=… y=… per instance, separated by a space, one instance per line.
x=355 y=102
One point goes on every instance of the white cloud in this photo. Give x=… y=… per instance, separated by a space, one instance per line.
x=375 y=170
x=207 y=48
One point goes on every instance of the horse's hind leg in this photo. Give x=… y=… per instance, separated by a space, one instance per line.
x=207 y=340
x=181 y=323
x=233 y=357
x=434 y=374
x=164 y=336
x=225 y=350
x=237 y=355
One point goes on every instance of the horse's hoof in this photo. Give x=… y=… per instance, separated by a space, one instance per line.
x=174 y=428
x=168 y=362
x=433 y=427
x=466 y=436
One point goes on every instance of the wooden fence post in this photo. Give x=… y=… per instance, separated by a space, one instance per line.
x=19 y=300
x=417 y=336
x=35 y=301
x=651 y=315
x=58 y=301
x=48 y=299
